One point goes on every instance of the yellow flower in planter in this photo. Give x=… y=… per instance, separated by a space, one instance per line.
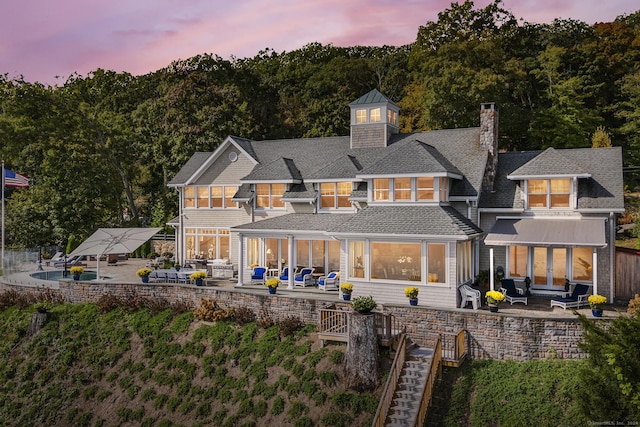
x=143 y=272
x=346 y=288
x=198 y=275
x=76 y=270
x=411 y=292
x=494 y=297
x=272 y=283
x=597 y=301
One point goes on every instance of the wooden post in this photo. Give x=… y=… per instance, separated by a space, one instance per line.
x=362 y=358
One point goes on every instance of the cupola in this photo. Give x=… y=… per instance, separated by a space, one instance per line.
x=374 y=118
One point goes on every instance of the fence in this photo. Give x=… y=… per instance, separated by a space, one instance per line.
x=627 y=282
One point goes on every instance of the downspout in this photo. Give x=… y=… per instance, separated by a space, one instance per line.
x=179 y=234
x=612 y=256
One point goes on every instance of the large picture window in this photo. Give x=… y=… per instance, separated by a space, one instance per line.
x=396 y=261
x=207 y=243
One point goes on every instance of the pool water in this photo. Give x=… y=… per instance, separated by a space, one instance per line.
x=59 y=274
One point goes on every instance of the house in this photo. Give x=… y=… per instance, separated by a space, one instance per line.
x=389 y=210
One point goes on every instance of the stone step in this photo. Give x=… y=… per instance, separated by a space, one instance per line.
x=420 y=353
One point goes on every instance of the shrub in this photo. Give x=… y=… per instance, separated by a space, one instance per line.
x=243 y=315
x=363 y=304
x=634 y=305
x=289 y=325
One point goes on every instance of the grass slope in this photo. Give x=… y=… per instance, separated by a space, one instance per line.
x=85 y=368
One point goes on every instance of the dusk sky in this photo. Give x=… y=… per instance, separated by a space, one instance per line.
x=42 y=39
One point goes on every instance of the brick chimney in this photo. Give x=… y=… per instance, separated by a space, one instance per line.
x=489 y=142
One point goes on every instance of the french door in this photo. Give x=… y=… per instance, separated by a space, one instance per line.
x=549 y=268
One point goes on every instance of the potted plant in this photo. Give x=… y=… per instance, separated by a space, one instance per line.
x=411 y=292
x=494 y=298
x=272 y=284
x=198 y=277
x=346 y=288
x=596 y=302
x=76 y=271
x=363 y=305
x=144 y=274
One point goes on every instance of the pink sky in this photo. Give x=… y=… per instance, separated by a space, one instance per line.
x=42 y=39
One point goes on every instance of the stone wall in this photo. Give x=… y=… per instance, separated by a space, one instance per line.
x=490 y=335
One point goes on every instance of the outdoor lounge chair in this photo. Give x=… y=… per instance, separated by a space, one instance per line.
x=258 y=275
x=576 y=299
x=469 y=295
x=329 y=282
x=304 y=278
x=511 y=293
x=75 y=260
x=285 y=275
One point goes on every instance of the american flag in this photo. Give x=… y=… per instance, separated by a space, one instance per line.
x=12 y=179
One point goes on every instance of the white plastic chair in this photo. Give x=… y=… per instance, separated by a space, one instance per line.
x=469 y=295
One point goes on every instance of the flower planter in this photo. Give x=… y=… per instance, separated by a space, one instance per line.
x=272 y=290
x=76 y=277
x=145 y=279
x=597 y=312
x=413 y=301
x=198 y=282
x=493 y=308
x=346 y=297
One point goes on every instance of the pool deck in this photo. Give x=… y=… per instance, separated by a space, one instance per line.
x=125 y=272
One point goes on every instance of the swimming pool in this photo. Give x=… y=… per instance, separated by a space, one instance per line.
x=59 y=274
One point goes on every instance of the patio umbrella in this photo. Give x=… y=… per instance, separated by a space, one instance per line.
x=113 y=241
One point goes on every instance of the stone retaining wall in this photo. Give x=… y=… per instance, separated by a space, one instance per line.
x=490 y=335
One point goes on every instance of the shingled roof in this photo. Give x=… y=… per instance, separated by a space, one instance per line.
x=603 y=190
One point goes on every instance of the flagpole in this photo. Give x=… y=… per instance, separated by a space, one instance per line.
x=2 y=252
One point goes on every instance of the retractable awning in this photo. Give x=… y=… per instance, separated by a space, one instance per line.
x=547 y=232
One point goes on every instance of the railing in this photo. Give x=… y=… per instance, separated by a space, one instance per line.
x=387 y=327
x=392 y=383
x=454 y=349
x=435 y=370
x=333 y=325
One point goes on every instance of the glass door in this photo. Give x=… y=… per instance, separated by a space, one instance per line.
x=549 y=268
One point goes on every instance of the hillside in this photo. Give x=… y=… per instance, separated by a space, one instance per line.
x=84 y=368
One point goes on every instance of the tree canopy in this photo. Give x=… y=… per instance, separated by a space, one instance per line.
x=100 y=149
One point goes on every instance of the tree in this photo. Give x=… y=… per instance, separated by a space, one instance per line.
x=610 y=379
x=600 y=138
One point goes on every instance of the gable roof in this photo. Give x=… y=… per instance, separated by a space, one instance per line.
x=280 y=170
x=602 y=191
x=411 y=158
x=190 y=168
x=550 y=163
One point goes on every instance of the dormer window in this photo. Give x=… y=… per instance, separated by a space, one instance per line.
x=335 y=195
x=549 y=193
x=269 y=196
x=392 y=117
x=361 y=116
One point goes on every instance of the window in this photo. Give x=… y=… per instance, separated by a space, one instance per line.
x=333 y=255
x=229 y=192
x=402 y=189
x=381 y=189
x=518 y=261
x=464 y=262
x=545 y=193
x=269 y=196
x=424 y=188
x=253 y=251
x=392 y=117
x=302 y=253
x=207 y=243
x=189 y=197
x=436 y=261
x=375 y=115
x=216 y=197
x=396 y=261
x=581 y=260
x=335 y=195
x=361 y=116
x=444 y=191
x=356 y=259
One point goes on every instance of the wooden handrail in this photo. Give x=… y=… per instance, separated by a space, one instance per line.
x=392 y=382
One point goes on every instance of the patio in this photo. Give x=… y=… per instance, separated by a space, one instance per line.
x=125 y=272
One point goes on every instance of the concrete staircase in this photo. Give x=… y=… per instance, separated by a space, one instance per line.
x=411 y=386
